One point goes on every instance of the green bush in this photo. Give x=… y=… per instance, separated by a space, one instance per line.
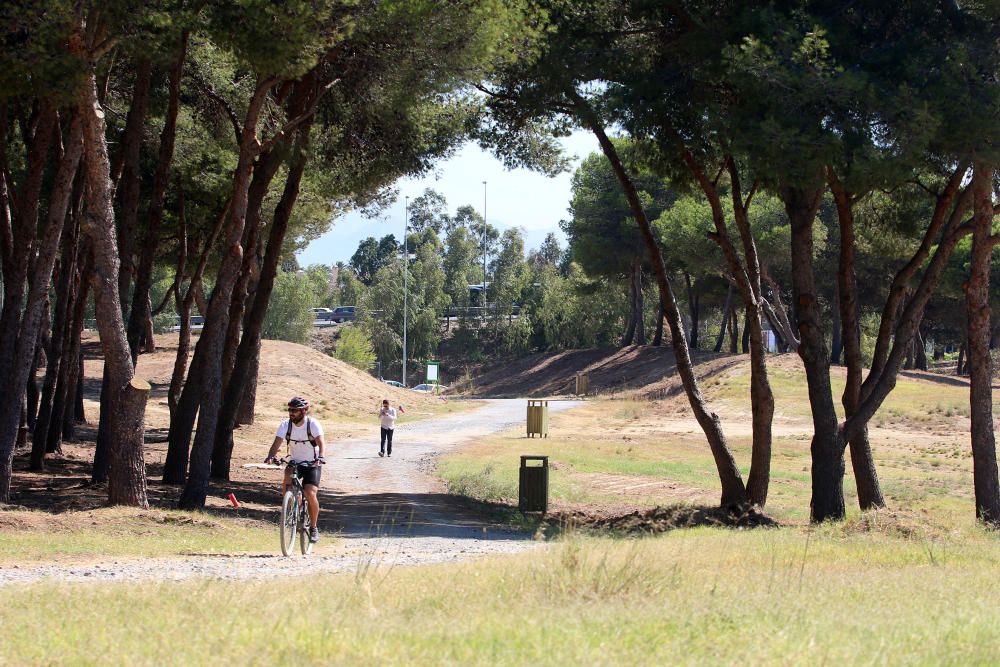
x=288 y=316
x=355 y=348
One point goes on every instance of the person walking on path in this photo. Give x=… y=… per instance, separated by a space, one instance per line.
x=303 y=438
x=387 y=416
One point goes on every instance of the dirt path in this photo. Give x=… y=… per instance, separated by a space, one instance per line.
x=377 y=512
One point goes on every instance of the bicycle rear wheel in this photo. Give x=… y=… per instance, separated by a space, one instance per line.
x=289 y=517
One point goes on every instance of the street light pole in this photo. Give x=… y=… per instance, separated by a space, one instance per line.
x=484 y=248
x=406 y=275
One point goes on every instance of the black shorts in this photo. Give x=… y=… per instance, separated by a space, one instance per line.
x=310 y=474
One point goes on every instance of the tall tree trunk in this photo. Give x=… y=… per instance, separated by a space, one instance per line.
x=131 y=176
x=658 y=336
x=733 y=490
x=127 y=485
x=977 y=300
x=208 y=352
x=827 y=449
x=640 y=318
x=25 y=346
x=19 y=317
x=633 y=320
x=184 y=404
x=161 y=178
x=721 y=339
x=244 y=370
x=734 y=331
x=55 y=366
x=692 y=310
x=862 y=461
x=836 y=330
x=62 y=408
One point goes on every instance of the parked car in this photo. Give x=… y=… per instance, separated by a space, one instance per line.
x=321 y=313
x=343 y=314
x=429 y=388
x=393 y=383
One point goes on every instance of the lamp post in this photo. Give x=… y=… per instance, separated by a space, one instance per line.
x=406 y=275
x=484 y=248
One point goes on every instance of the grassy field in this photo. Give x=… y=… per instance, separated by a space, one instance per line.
x=858 y=593
x=913 y=584
x=643 y=454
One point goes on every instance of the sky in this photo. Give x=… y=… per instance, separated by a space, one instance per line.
x=513 y=198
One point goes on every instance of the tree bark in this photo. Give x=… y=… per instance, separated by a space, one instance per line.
x=977 y=301
x=125 y=482
x=658 y=336
x=863 y=463
x=210 y=344
x=24 y=344
x=721 y=339
x=244 y=370
x=131 y=176
x=826 y=449
x=19 y=245
x=55 y=363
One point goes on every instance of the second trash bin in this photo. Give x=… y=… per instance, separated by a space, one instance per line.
x=538 y=418
x=533 y=488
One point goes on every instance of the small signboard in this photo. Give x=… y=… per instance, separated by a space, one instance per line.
x=433 y=376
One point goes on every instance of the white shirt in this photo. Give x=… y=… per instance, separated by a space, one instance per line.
x=388 y=418
x=301 y=449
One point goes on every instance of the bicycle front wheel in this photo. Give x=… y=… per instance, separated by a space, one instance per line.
x=289 y=517
x=304 y=544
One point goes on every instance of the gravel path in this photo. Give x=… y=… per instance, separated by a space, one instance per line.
x=377 y=512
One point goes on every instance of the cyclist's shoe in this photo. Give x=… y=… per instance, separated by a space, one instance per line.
x=381 y=453
x=314 y=534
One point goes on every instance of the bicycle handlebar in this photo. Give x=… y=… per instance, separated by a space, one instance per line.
x=307 y=464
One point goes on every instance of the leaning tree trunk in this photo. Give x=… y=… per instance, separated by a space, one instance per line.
x=746 y=272
x=827 y=449
x=127 y=482
x=244 y=370
x=977 y=300
x=733 y=490
x=210 y=345
x=247 y=355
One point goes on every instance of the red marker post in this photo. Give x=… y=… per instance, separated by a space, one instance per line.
x=232 y=499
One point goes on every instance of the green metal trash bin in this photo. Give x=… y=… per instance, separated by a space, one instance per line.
x=533 y=491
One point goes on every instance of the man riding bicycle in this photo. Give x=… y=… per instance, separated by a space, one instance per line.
x=304 y=437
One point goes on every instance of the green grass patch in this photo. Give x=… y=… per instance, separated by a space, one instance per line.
x=857 y=593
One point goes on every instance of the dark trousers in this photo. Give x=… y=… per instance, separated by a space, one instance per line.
x=386 y=440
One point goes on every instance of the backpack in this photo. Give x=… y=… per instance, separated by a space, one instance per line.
x=309 y=435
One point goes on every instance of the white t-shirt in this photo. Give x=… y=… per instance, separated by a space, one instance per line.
x=301 y=449
x=388 y=418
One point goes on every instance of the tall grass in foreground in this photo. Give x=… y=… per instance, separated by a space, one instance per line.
x=828 y=595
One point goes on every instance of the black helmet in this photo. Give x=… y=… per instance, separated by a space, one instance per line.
x=298 y=403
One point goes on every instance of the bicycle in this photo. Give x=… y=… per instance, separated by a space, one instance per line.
x=295 y=512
